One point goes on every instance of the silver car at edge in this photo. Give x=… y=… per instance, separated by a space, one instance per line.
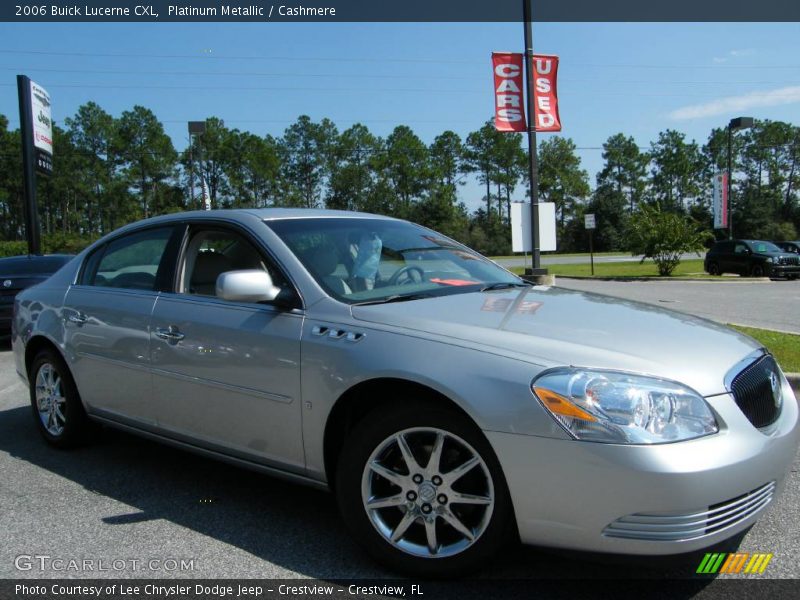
x=449 y=405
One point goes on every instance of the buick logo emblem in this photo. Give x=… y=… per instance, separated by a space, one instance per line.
x=775 y=383
x=7 y=283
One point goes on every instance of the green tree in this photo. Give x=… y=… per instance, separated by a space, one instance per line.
x=664 y=237
x=677 y=172
x=561 y=179
x=480 y=158
x=407 y=166
x=625 y=168
x=148 y=155
x=304 y=155
x=352 y=168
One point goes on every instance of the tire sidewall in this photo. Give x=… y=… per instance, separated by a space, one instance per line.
x=76 y=426
x=713 y=269
x=372 y=431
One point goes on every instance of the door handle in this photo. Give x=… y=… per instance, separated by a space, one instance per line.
x=171 y=334
x=78 y=318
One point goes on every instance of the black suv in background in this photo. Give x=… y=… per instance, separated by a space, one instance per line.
x=20 y=272
x=793 y=247
x=752 y=257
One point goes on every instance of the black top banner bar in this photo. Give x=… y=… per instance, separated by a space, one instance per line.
x=401 y=10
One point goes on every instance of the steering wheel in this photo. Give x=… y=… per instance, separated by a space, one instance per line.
x=407 y=272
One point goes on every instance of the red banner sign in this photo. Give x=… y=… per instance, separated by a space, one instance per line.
x=545 y=106
x=509 y=113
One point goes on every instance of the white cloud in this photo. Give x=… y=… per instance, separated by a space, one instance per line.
x=731 y=104
x=733 y=54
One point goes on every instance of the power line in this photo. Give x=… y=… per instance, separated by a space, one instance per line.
x=371 y=76
x=374 y=60
x=371 y=89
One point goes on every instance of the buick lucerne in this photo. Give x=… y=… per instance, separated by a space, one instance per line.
x=449 y=405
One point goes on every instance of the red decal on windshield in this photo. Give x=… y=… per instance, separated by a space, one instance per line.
x=452 y=281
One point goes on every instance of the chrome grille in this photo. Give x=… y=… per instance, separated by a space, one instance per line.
x=790 y=260
x=672 y=527
x=757 y=392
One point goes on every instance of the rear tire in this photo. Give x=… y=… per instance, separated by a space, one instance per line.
x=713 y=269
x=57 y=407
x=435 y=521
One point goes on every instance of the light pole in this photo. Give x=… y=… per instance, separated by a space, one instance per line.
x=533 y=167
x=195 y=128
x=734 y=125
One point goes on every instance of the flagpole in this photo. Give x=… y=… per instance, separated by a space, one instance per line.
x=533 y=168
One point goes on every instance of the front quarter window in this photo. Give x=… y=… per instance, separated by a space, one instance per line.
x=363 y=260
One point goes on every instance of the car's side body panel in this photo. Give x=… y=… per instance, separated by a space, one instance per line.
x=233 y=380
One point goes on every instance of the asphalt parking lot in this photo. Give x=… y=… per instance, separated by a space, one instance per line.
x=766 y=304
x=130 y=500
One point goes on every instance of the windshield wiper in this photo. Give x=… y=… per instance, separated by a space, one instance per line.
x=394 y=298
x=503 y=285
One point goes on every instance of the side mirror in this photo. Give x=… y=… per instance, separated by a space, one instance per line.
x=251 y=285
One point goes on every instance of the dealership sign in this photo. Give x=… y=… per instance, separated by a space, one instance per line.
x=509 y=114
x=720 y=200
x=508 y=92
x=42 y=129
x=545 y=105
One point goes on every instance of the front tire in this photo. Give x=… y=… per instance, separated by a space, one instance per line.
x=757 y=271
x=56 y=405
x=421 y=489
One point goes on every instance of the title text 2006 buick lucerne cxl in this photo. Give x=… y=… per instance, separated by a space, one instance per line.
x=448 y=404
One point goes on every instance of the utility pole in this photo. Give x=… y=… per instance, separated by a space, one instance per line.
x=733 y=125
x=533 y=168
x=195 y=128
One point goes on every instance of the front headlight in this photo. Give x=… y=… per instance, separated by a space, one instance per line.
x=619 y=408
x=769 y=259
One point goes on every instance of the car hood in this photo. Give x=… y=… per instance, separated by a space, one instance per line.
x=554 y=326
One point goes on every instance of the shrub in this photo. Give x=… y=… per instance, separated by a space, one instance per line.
x=664 y=236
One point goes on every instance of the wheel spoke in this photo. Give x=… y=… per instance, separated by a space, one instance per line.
x=430 y=534
x=403 y=525
x=408 y=456
x=456 y=524
x=460 y=471
x=387 y=474
x=434 y=462
x=459 y=498
x=57 y=409
x=397 y=500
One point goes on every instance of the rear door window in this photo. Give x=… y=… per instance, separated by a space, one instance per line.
x=129 y=262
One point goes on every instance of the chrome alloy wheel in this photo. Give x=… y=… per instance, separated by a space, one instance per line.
x=427 y=492
x=50 y=401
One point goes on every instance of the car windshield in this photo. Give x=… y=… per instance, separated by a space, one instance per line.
x=362 y=260
x=34 y=265
x=764 y=247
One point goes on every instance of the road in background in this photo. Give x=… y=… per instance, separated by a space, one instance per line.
x=765 y=304
x=556 y=259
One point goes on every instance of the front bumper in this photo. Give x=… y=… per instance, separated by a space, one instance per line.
x=567 y=493
x=784 y=270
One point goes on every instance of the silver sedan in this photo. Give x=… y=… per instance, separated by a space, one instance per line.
x=449 y=405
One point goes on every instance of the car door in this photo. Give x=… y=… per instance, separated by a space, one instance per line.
x=107 y=319
x=226 y=375
x=741 y=258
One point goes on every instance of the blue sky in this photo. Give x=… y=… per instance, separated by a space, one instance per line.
x=638 y=78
